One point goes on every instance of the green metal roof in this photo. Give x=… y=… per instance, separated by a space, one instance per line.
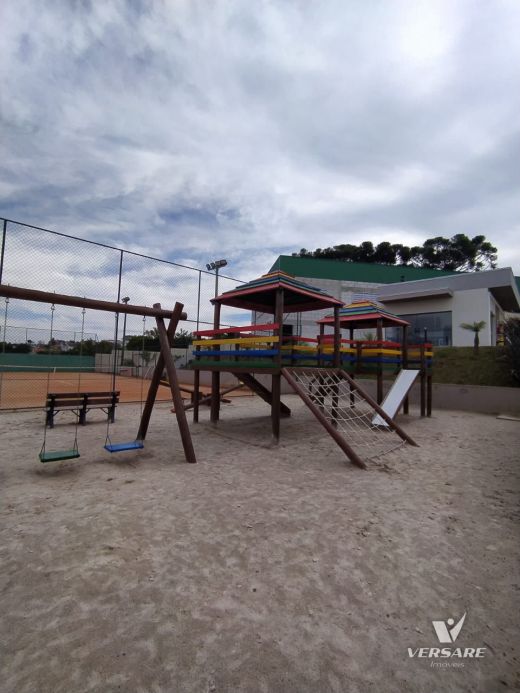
x=316 y=268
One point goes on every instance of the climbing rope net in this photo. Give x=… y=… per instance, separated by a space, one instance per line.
x=348 y=411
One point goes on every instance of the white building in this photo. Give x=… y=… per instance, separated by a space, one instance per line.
x=441 y=305
x=431 y=300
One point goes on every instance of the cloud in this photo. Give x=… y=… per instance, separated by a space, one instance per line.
x=191 y=130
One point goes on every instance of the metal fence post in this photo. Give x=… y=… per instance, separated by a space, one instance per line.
x=116 y=328
x=2 y=251
x=198 y=300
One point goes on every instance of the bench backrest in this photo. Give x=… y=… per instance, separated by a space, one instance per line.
x=77 y=399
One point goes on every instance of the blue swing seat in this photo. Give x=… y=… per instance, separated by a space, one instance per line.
x=121 y=447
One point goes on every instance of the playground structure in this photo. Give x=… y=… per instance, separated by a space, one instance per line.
x=316 y=369
x=379 y=356
x=165 y=362
x=321 y=371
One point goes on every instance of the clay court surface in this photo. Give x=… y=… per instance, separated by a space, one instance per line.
x=259 y=569
x=29 y=389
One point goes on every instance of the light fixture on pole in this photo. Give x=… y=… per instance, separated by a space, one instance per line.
x=216 y=265
x=124 y=300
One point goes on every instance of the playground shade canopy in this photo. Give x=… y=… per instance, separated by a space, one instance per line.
x=363 y=314
x=260 y=295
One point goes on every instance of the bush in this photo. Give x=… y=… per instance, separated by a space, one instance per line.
x=9 y=348
x=512 y=346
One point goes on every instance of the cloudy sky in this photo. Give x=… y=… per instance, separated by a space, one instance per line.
x=196 y=130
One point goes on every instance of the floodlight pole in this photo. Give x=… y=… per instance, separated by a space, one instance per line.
x=5 y=324
x=216 y=265
x=216 y=281
x=124 y=300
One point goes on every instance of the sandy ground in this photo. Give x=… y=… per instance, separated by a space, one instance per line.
x=260 y=569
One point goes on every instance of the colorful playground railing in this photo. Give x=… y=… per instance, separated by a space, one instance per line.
x=257 y=346
x=248 y=345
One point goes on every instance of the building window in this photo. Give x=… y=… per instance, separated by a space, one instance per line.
x=435 y=326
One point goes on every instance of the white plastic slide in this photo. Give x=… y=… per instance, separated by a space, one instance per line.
x=396 y=395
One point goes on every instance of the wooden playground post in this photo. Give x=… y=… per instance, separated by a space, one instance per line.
x=320 y=344
x=169 y=364
x=157 y=375
x=196 y=390
x=428 y=387
x=336 y=362
x=337 y=339
x=379 y=338
x=215 y=375
x=276 y=377
x=404 y=363
x=423 y=380
x=358 y=357
x=237 y=347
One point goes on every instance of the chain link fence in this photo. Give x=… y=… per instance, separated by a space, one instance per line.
x=38 y=258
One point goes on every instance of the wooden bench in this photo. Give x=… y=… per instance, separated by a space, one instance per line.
x=80 y=403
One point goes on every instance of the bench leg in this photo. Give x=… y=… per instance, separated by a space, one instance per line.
x=83 y=416
x=49 y=418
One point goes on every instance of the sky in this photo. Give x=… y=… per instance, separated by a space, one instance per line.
x=198 y=130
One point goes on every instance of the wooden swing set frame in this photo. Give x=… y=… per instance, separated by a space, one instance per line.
x=164 y=362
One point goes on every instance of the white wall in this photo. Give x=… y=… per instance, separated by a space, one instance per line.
x=471 y=306
x=466 y=306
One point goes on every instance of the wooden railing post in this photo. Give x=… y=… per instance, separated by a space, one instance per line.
x=215 y=375
x=423 y=379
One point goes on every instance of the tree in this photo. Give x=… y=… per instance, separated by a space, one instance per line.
x=22 y=348
x=458 y=253
x=90 y=347
x=365 y=252
x=151 y=342
x=147 y=342
x=104 y=347
x=474 y=327
x=385 y=253
x=182 y=339
x=475 y=254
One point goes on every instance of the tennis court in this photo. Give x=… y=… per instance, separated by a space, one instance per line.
x=26 y=389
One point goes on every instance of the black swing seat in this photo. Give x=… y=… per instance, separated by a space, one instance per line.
x=121 y=447
x=56 y=455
